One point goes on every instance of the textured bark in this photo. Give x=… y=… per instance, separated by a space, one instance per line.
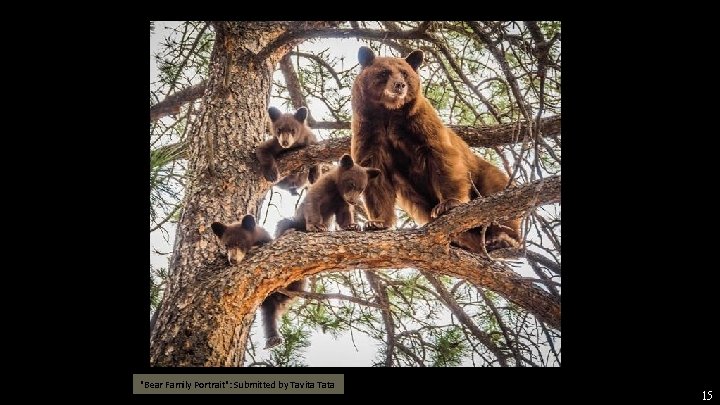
x=293 y=86
x=475 y=136
x=208 y=307
x=223 y=186
x=331 y=149
x=211 y=323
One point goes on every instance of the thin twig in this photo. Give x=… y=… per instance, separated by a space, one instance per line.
x=328 y=296
x=463 y=317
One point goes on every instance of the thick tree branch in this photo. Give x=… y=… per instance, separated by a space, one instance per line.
x=302 y=34
x=172 y=103
x=504 y=134
x=330 y=125
x=226 y=297
x=293 y=85
x=497 y=206
x=402 y=45
x=331 y=149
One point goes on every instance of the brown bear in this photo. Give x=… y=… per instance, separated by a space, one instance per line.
x=238 y=238
x=335 y=193
x=426 y=166
x=289 y=132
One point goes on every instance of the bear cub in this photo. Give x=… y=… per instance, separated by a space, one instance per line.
x=238 y=238
x=335 y=193
x=290 y=131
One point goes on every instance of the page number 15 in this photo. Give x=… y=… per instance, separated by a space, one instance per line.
x=707 y=395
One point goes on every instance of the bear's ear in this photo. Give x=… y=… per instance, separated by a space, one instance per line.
x=415 y=59
x=274 y=113
x=346 y=162
x=366 y=56
x=372 y=172
x=218 y=229
x=301 y=114
x=248 y=222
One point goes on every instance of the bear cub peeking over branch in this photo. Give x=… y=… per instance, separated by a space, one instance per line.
x=335 y=193
x=289 y=132
x=238 y=238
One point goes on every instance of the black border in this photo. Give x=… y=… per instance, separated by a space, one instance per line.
x=619 y=342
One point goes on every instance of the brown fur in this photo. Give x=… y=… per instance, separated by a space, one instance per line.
x=425 y=165
x=335 y=193
x=289 y=132
x=238 y=238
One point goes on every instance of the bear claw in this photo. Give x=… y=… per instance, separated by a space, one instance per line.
x=444 y=207
x=375 y=226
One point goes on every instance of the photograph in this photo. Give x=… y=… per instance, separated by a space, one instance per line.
x=355 y=194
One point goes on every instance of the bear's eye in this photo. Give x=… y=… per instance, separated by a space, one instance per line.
x=405 y=75
x=385 y=74
x=292 y=131
x=351 y=185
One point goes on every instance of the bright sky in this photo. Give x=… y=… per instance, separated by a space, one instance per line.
x=324 y=349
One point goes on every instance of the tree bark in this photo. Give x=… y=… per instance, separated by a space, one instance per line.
x=208 y=307
x=223 y=186
x=215 y=312
x=172 y=103
x=330 y=150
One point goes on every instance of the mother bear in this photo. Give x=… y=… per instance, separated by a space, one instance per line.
x=425 y=166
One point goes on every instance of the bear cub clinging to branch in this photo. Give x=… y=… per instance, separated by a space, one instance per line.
x=289 y=132
x=238 y=238
x=426 y=167
x=335 y=193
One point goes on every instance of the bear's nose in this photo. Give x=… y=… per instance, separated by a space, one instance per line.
x=399 y=86
x=285 y=143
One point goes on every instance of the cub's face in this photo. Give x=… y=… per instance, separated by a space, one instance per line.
x=287 y=127
x=388 y=82
x=352 y=179
x=237 y=238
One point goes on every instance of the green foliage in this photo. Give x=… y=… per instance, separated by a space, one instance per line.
x=449 y=348
x=549 y=28
x=290 y=352
x=438 y=96
x=184 y=58
x=166 y=183
x=425 y=329
x=157 y=281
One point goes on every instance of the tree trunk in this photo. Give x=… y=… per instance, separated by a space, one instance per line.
x=208 y=307
x=222 y=186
